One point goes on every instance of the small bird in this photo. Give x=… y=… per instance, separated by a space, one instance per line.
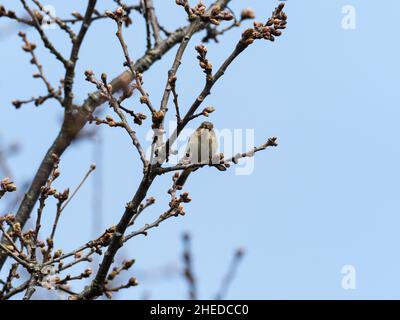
x=202 y=147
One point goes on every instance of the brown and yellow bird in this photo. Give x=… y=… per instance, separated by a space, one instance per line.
x=202 y=147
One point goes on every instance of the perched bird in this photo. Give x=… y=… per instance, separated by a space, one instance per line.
x=202 y=147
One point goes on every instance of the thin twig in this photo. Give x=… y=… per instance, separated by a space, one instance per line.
x=272 y=142
x=15 y=291
x=59 y=21
x=148 y=28
x=175 y=100
x=91 y=169
x=188 y=267
x=70 y=67
x=30 y=290
x=8 y=284
x=131 y=66
x=151 y=19
x=230 y=276
x=47 y=43
x=177 y=62
x=51 y=91
x=11 y=254
x=201 y=97
x=143 y=231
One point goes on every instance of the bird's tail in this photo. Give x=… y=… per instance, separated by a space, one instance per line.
x=183 y=177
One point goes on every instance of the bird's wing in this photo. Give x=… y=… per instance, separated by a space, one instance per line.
x=213 y=143
x=192 y=143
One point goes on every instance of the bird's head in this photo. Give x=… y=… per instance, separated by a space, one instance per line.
x=207 y=125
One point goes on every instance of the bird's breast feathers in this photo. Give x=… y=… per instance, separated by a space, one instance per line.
x=202 y=145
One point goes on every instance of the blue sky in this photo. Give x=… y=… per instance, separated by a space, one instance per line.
x=325 y=198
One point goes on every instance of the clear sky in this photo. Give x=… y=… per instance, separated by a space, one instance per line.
x=327 y=197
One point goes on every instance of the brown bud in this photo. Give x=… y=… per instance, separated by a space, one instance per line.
x=28 y=47
x=144 y=99
x=201 y=49
x=151 y=200
x=38 y=16
x=208 y=110
x=157 y=118
x=17 y=227
x=7 y=185
x=127 y=264
x=214 y=21
x=16 y=103
x=77 y=15
x=119 y=12
x=227 y=16
x=11 y=14
x=247 y=13
x=280 y=7
x=11 y=187
x=87 y=273
x=89 y=73
x=51 y=192
x=215 y=10
x=78 y=255
x=133 y=282
x=57 y=254
x=142 y=116
x=110 y=14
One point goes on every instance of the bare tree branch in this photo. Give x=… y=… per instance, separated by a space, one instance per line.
x=73 y=124
x=47 y=43
x=70 y=67
x=235 y=159
x=230 y=276
x=47 y=270
x=188 y=272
